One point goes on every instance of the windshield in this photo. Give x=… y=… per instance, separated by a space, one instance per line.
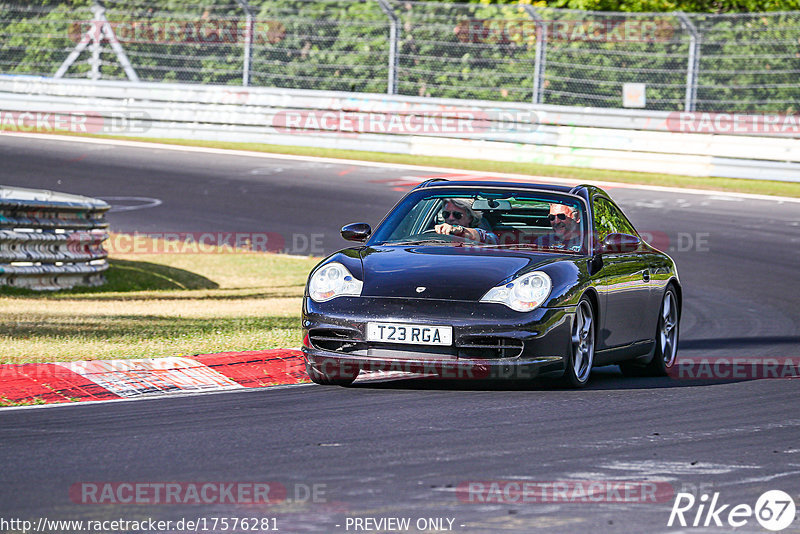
x=491 y=218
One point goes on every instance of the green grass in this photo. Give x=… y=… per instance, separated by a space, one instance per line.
x=160 y=305
x=761 y=187
x=36 y=401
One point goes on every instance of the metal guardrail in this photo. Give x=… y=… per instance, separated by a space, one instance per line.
x=616 y=139
x=51 y=241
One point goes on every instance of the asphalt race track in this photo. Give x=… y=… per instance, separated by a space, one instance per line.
x=403 y=448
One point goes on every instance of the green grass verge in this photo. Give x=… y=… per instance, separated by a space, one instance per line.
x=760 y=187
x=161 y=305
x=36 y=401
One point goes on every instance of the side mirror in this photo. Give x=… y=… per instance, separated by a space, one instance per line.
x=617 y=243
x=356 y=232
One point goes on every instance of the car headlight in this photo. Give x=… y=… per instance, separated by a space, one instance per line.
x=525 y=293
x=331 y=281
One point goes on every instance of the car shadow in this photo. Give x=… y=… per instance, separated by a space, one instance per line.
x=611 y=378
x=603 y=378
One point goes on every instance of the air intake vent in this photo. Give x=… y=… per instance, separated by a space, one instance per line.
x=490 y=347
x=336 y=340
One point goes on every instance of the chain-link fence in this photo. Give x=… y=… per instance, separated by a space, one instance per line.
x=504 y=52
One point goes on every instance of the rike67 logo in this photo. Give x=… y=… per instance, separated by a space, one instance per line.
x=774 y=510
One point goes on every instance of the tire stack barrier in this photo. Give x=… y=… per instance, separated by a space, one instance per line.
x=51 y=241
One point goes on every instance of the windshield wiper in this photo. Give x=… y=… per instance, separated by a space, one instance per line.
x=533 y=246
x=515 y=245
x=420 y=242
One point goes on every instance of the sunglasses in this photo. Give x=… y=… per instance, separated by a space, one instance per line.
x=456 y=215
x=561 y=217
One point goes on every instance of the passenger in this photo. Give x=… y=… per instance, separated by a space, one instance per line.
x=462 y=221
x=565 y=222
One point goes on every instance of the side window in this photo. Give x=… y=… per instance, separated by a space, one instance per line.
x=608 y=219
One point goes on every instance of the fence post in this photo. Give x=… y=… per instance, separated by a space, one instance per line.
x=100 y=28
x=248 y=42
x=97 y=34
x=693 y=64
x=540 y=55
x=393 y=25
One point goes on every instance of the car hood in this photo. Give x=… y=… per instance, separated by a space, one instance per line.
x=452 y=273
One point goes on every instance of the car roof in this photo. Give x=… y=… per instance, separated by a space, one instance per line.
x=583 y=190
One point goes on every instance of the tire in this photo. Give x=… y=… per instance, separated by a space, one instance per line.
x=665 y=352
x=324 y=379
x=582 y=343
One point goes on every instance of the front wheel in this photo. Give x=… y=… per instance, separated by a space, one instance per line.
x=581 y=357
x=666 y=349
x=325 y=379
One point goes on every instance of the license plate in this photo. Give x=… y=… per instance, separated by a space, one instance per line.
x=413 y=334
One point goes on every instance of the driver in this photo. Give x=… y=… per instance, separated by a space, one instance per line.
x=462 y=221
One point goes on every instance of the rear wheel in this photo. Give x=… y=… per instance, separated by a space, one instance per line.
x=325 y=379
x=581 y=357
x=665 y=352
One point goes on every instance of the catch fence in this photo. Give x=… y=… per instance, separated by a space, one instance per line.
x=491 y=52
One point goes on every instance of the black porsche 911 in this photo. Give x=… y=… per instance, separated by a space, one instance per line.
x=493 y=280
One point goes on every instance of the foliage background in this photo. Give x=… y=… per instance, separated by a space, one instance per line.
x=749 y=54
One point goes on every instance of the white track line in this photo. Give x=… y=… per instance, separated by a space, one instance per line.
x=375 y=164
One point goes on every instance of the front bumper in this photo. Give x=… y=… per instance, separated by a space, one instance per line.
x=489 y=340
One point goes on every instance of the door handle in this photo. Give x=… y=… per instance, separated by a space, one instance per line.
x=646 y=275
